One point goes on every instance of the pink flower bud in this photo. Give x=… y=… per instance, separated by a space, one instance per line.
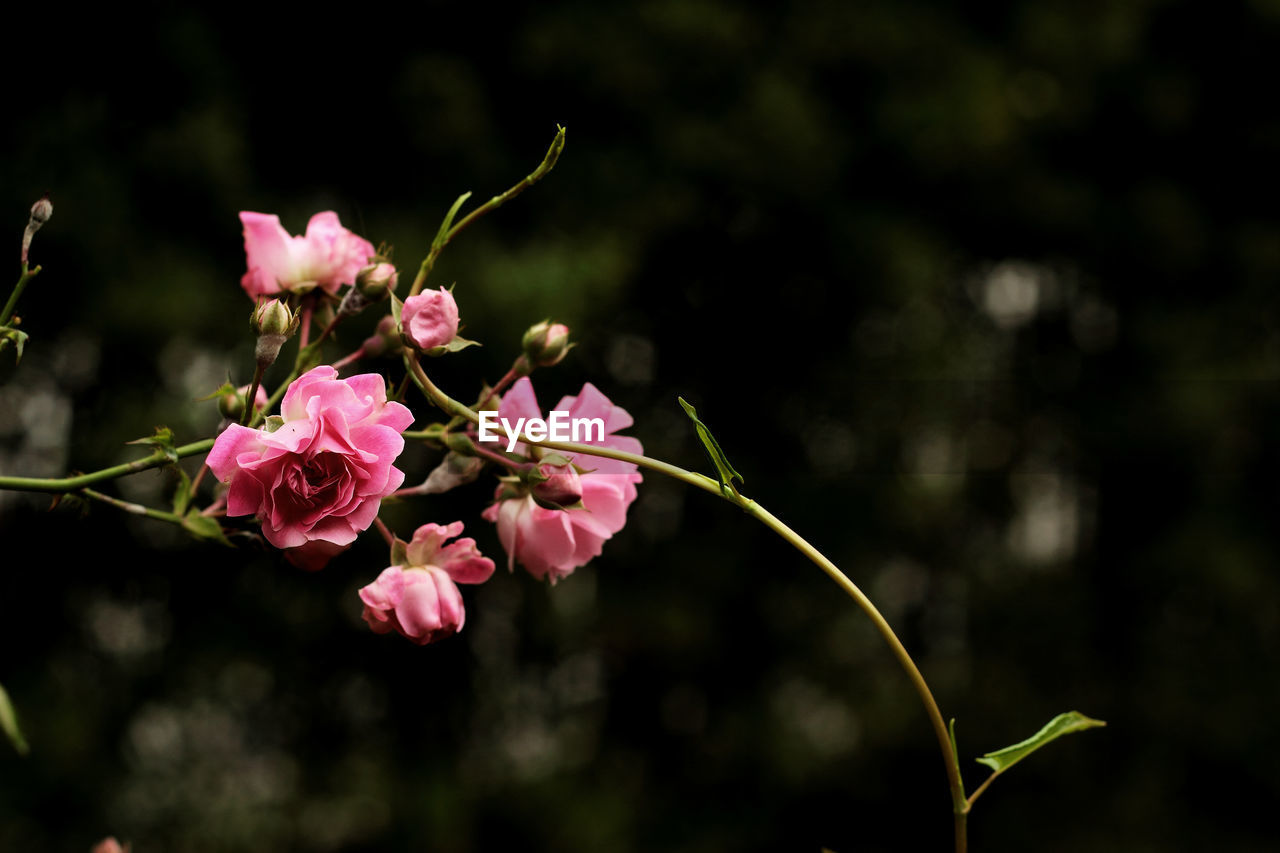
x=546 y=344
x=109 y=845
x=562 y=487
x=376 y=281
x=421 y=600
x=430 y=319
x=384 y=340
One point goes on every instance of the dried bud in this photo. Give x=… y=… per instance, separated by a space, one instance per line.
x=546 y=343
x=275 y=324
x=377 y=281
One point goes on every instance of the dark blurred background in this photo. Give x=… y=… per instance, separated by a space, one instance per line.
x=980 y=297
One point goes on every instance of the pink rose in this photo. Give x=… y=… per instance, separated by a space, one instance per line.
x=327 y=256
x=421 y=599
x=430 y=319
x=551 y=543
x=318 y=479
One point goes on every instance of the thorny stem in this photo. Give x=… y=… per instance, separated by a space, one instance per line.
x=960 y=806
x=132 y=508
x=71 y=484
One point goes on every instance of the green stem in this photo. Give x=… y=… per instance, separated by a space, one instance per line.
x=132 y=508
x=442 y=239
x=12 y=304
x=71 y=484
x=960 y=805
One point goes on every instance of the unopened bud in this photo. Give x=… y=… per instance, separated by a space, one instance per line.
x=275 y=324
x=109 y=845
x=546 y=343
x=376 y=281
x=40 y=213
x=385 y=340
x=555 y=486
x=231 y=404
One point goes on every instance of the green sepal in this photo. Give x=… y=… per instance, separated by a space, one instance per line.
x=271 y=423
x=227 y=388
x=443 y=233
x=546 y=504
x=10 y=335
x=1063 y=724
x=397 y=305
x=162 y=441
x=399 y=552
x=458 y=343
x=718 y=459
x=9 y=722
x=204 y=527
x=182 y=497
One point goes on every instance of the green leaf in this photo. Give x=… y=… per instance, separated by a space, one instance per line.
x=718 y=459
x=227 y=388
x=182 y=496
x=10 y=335
x=162 y=441
x=443 y=233
x=204 y=527
x=1063 y=724
x=9 y=722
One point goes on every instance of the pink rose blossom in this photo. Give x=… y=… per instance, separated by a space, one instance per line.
x=552 y=543
x=327 y=256
x=430 y=319
x=421 y=600
x=317 y=480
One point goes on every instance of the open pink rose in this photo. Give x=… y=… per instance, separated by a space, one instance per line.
x=327 y=256
x=421 y=600
x=318 y=479
x=430 y=318
x=551 y=543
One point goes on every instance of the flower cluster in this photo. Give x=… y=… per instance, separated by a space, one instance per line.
x=551 y=543
x=315 y=475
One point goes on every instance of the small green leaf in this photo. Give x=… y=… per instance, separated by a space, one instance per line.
x=10 y=335
x=204 y=527
x=162 y=441
x=718 y=459
x=182 y=496
x=227 y=388
x=443 y=233
x=396 y=307
x=458 y=343
x=9 y=722
x=1063 y=724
